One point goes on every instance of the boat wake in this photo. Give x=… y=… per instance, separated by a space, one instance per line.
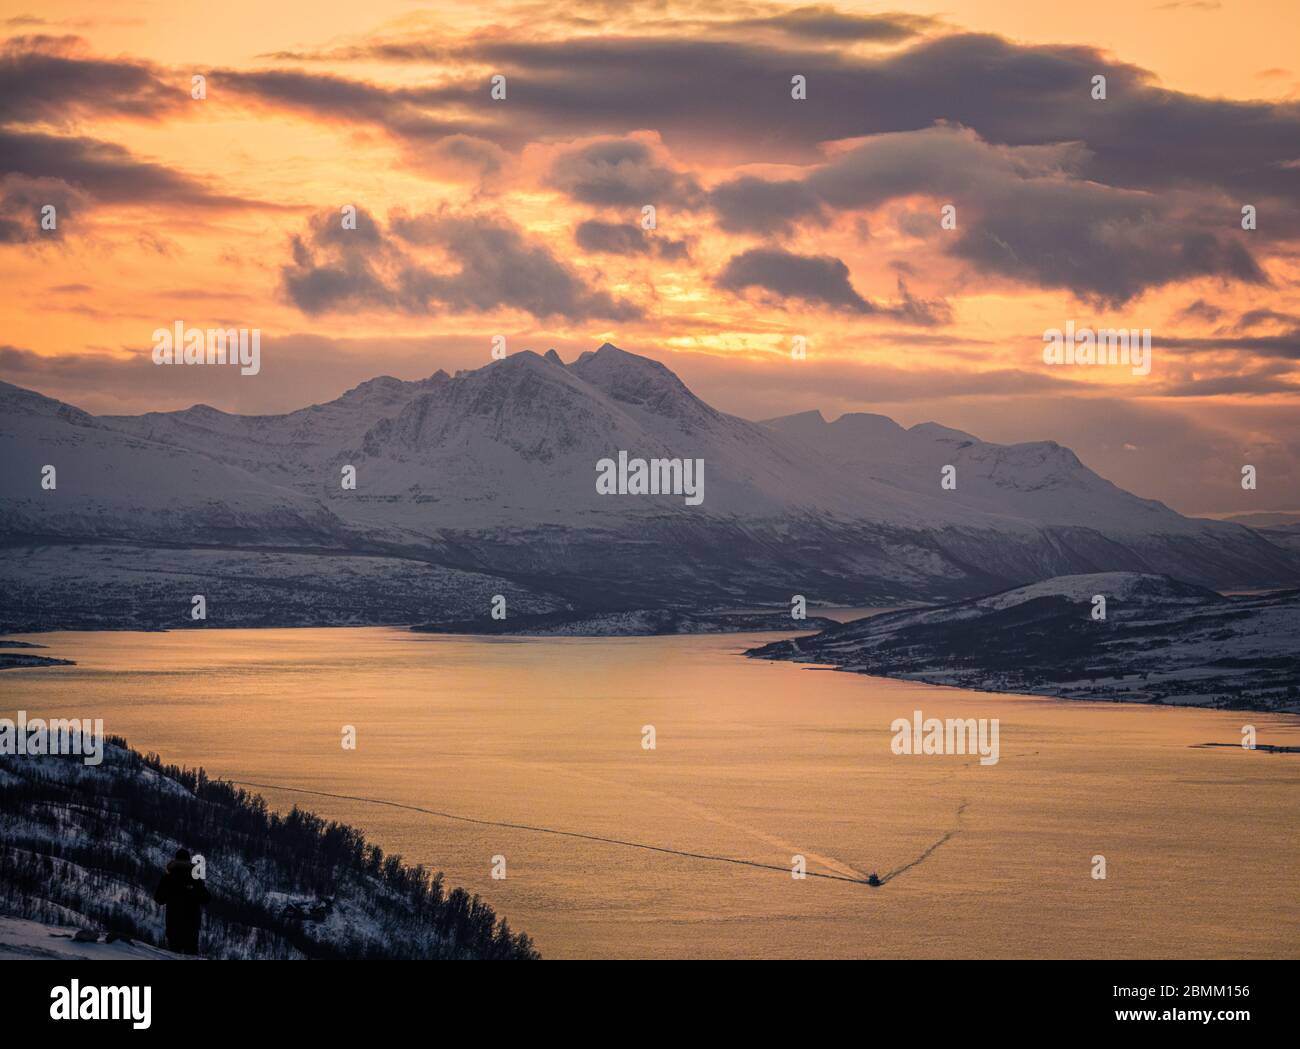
x=531 y=828
x=947 y=836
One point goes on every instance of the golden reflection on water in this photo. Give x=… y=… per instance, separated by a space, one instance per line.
x=754 y=760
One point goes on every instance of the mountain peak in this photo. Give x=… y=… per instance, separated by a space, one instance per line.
x=382 y=383
x=636 y=380
x=868 y=426
x=520 y=359
x=202 y=411
x=605 y=351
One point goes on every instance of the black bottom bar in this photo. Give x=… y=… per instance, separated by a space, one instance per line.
x=1221 y=998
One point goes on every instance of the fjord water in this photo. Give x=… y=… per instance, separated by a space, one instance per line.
x=754 y=760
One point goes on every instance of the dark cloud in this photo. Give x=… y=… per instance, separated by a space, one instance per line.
x=813 y=278
x=465 y=154
x=736 y=96
x=732 y=98
x=1263 y=317
x=1059 y=186
x=415 y=115
x=1231 y=376
x=1023 y=212
x=820 y=280
x=334 y=268
x=912 y=310
x=620 y=172
x=1100 y=244
x=52 y=81
x=47 y=79
x=86 y=169
x=1106 y=199
x=694 y=91
x=624 y=238
x=373 y=51
x=1254 y=384
x=824 y=23
x=330 y=96
x=1285 y=345
x=22 y=200
x=497 y=266
x=754 y=205
x=1200 y=310
x=816 y=23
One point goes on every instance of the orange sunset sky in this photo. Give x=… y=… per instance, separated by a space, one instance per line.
x=776 y=217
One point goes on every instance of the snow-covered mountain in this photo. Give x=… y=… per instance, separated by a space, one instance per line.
x=493 y=471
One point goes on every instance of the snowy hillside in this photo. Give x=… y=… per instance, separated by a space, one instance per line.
x=36 y=941
x=1280 y=529
x=84 y=846
x=103 y=587
x=492 y=471
x=112 y=483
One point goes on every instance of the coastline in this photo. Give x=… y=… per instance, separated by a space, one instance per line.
x=1010 y=690
x=555 y=627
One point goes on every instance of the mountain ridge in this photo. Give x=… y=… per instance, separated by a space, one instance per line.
x=492 y=470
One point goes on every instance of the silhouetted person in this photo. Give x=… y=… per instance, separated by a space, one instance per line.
x=182 y=894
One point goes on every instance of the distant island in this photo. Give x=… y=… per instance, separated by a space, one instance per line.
x=1162 y=641
x=14 y=660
